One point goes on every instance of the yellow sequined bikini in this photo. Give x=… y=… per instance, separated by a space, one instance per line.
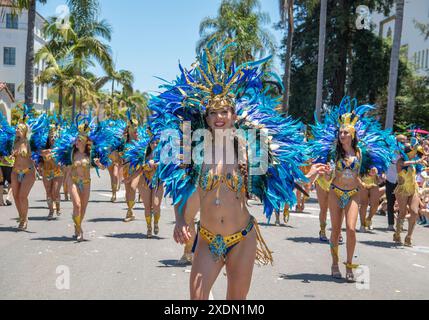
x=407 y=183
x=22 y=173
x=219 y=245
x=78 y=181
x=348 y=171
x=50 y=169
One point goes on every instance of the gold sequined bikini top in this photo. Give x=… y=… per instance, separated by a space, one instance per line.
x=84 y=163
x=210 y=181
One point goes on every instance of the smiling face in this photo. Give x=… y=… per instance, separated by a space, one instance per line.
x=21 y=131
x=223 y=118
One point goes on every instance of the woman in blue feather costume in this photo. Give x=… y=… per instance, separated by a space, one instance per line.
x=355 y=145
x=22 y=144
x=136 y=138
x=81 y=146
x=142 y=157
x=222 y=139
x=117 y=128
x=52 y=173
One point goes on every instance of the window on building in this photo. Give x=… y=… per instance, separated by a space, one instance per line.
x=9 y=56
x=11 y=87
x=11 y=21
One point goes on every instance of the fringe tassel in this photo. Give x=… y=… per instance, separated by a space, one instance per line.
x=263 y=254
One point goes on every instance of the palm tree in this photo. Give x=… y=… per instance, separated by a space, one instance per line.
x=286 y=16
x=238 y=20
x=78 y=49
x=29 y=5
x=394 y=64
x=321 y=57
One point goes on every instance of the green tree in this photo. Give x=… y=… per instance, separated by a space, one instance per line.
x=241 y=21
x=355 y=59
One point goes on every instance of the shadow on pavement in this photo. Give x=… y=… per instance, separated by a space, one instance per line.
x=310 y=240
x=173 y=264
x=106 y=220
x=309 y=277
x=38 y=218
x=8 y=229
x=56 y=239
x=133 y=236
x=380 y=244
x=264 y=224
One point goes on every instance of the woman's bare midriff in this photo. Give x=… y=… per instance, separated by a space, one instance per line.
x=345 y=183
x=229 y=217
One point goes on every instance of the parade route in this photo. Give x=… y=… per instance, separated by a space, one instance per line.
x=117 y=261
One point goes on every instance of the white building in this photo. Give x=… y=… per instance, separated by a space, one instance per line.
x=413 y=41
x=13 y=44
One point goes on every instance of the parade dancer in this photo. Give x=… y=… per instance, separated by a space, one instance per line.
x=215 y=99
x=141 y=157
x=19 y=143
x=355 y=145
x=407 y=192
x=81 y=147
x=53 y=174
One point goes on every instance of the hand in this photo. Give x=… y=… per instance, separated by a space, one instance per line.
x=181 y=232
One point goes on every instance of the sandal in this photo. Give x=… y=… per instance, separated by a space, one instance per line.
x=335 y=272
x=408 y=242
x=350 y=277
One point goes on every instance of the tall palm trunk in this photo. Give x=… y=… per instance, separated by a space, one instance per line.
x=321 y=57
x=74 y=104
x=394 y=64
x=288 y=59
x=60 y=100
x=29 y=56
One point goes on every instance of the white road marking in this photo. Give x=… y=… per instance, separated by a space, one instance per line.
x=418 y=266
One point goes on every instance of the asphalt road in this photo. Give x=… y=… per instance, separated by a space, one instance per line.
x=118 y=262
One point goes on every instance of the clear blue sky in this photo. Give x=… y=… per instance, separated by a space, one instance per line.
x=150 y=36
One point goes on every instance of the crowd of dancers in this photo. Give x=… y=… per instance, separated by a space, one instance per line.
x=215 y=140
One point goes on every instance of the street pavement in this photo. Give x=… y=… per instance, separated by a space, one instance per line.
x=118 y=262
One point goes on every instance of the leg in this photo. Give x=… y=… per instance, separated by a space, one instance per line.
x=414 y=203
x=352 y=212
x=48 y=188
x=147 y=202
x=84 y=198
x=391 y=199
x=130 y=195
x=24 y=192
x=56 y=194
x=374 y=200
x=204 y=272
x=322 y=197
x=16 y=186
x=77 y=208
x=402 y=203
x=157 y=195
x=239 y=268
x=336 y=220
x=364 y=201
